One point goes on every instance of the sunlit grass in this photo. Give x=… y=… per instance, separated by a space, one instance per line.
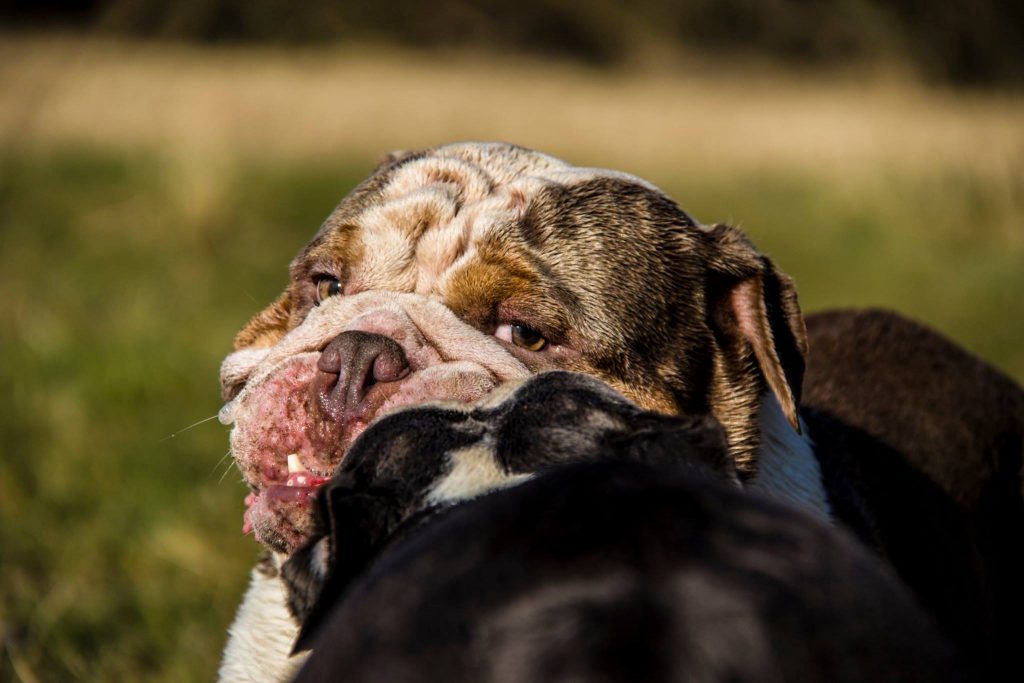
x=122 y=556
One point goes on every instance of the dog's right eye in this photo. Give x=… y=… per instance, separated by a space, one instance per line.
x=325 y=287
x=522 y=336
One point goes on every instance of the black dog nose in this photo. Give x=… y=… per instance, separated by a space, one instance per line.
x=349 y=365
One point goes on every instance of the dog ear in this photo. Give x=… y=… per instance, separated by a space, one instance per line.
x=354 y=524
x=750 y=300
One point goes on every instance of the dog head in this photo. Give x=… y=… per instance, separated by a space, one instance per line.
x=451 y=271
x=414 y=464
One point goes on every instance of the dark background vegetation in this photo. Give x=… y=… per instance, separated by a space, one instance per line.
x=160 y=163
x=957 y=41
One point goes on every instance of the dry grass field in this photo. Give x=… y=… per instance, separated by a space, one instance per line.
x=657 y=117
x=151 y=196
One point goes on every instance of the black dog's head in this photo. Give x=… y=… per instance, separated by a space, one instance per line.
x=615 y=570
x=417 y=462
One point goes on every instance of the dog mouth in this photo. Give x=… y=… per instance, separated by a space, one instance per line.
x=283 y=506
x=285 y=452
x=286 y=447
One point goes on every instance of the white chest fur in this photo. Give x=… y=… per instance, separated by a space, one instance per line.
x=261 y=637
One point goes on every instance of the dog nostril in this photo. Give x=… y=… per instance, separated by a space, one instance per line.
x=330 y=359
x=349 y=366
x=388 y=367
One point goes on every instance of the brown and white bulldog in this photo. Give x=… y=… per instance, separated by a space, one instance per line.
x=453 y=270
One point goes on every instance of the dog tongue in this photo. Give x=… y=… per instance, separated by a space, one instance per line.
x=298 y=475
x=246 y=522
x=305 y=479
x=299 y=488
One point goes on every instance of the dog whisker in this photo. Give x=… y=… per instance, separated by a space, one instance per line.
x=185 y=429
x=220 y=462
x=227 y=469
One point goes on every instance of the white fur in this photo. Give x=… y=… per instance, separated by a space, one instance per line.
x=474 y=472
x=261 y=637
x=787 y=468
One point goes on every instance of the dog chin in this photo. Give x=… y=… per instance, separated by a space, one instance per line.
x=286 y=449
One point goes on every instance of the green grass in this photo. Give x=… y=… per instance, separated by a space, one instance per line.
x=124 y=277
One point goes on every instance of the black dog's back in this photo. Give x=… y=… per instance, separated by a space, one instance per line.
x=617 y=571
x=921 y=448
x=948 y=413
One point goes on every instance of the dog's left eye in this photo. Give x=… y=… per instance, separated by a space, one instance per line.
x=325 y=287
x=522 y=336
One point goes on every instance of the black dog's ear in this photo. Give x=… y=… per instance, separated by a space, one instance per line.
x=356 y=524
x=304 y=575
x=694 y=442
x=749 y=299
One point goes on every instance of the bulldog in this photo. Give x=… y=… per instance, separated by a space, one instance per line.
x=451 y=271
x=560 y=532
x=415 y=464
x=454 y=271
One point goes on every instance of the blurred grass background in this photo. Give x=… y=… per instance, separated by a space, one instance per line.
x=160 y=164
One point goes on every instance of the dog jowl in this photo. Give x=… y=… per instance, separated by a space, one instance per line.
x=454 y=270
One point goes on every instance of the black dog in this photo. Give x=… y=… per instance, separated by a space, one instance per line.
x=921 y=449
x=416 y=462
x=599 y=571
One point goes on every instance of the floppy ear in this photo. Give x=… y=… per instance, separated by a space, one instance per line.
x=354 y=524
x=755 y=304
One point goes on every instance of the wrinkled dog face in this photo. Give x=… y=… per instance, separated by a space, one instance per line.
x=451 y=271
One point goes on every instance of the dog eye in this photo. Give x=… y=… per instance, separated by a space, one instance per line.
x=325 y=287
x=522 y=336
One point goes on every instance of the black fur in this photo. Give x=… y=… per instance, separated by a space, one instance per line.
x=554 y=418
x=921 y=447
x=617 y=571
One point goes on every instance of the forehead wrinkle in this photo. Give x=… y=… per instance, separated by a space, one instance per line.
x=415 y=212
x=435 y=208
x=501 y=161
x=583 y=302
x=467 y=182
x=438 y=249
x=334 y=253
x=392 y=231
x=553 y=286
x=389 y=265
x=471 y=230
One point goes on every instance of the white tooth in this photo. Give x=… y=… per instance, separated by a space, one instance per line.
x=294 y=464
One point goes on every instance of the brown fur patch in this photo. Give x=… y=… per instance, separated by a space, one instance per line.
x=266 y=327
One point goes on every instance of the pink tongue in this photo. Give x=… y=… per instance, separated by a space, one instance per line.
x=246 y=522
x=304 y=479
